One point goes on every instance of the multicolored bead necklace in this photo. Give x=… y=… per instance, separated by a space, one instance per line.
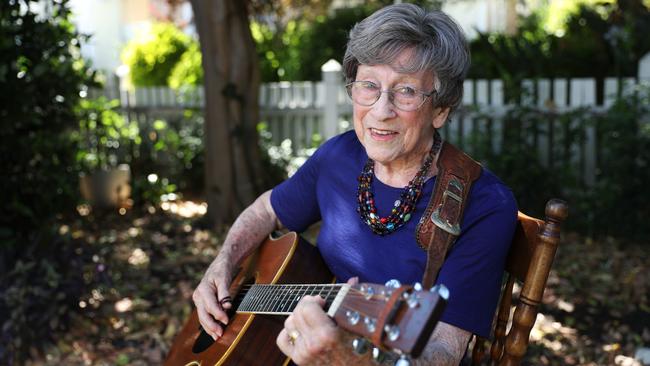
x=404 y=206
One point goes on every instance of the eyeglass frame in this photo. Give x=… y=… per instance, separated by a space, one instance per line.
x=391 y=95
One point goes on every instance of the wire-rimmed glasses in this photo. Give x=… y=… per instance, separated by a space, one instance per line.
x=404 y=98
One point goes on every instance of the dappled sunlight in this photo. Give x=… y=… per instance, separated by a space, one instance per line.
x=124 y=305
x=595 y=306
x=552 y=334
x=568 y=344
x=185 y=209
x=138 y=258
x=140 y=271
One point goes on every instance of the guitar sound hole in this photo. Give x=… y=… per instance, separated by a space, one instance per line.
x=203 y=341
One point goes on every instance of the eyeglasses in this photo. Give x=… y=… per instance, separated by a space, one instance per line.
x=404 y=98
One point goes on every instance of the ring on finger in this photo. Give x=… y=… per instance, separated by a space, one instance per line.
x=293 y=336
x=225 y=300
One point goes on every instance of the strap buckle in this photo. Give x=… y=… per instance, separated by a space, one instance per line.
x=453 y=229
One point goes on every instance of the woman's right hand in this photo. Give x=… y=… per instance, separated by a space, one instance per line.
x=212 y=300
x=211 y=296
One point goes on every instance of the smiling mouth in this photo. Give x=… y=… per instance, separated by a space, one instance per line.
x=375 y=131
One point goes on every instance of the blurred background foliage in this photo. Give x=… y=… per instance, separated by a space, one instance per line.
x=153 y=54
x=42 y=76
x=601 y=39
x=53 y=131
x=618 y=201
x=553 y=41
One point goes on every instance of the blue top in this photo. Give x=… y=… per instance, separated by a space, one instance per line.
x=325 y=189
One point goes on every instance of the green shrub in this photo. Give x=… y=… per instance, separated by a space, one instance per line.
x=618 y=203
x=298 y=51
x=172 y=149
x=188 y=72
x=152 y=55
x=105 y=137
x=326 y=39
x=596 y=41
x=42 y=76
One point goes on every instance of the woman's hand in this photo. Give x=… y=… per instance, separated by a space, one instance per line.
x=211 y=296
x=309 y=334
x=212 y=299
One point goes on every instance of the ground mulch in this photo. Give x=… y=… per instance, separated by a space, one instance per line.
x=140 y=280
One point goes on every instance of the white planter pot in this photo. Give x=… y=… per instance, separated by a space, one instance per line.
x=107 y=188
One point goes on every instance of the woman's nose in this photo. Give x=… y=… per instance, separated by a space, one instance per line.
x=384 y=107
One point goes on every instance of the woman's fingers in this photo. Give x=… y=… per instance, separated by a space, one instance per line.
x=208 y=323
x=309 y=312
x=210 y=304
x=353 y=281
x=308 y=333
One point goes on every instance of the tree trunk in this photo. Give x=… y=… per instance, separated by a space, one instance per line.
x=233 y=171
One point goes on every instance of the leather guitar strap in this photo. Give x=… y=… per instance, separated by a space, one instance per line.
x=440 y=224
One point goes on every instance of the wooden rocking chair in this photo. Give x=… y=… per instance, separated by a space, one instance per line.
x=529 y=262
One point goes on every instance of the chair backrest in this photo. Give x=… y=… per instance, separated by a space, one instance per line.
x=529 y=262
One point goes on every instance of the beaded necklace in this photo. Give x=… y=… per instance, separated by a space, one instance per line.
x=404 y=206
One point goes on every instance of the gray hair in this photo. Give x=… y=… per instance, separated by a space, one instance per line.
x=437 y=42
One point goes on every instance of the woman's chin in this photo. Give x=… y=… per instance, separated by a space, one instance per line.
x=380 y=155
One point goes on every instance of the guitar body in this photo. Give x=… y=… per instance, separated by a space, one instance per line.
x=249 y=339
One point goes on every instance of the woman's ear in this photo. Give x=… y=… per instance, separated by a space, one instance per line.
x=440 y=118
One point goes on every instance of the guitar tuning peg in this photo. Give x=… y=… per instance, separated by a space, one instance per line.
x=403 y=361
x=352 y=316
x=441 y=290
x=367 y=291
x=392 y=331
x=378 y=355
x=412 y=301
x=360 y=346
x=393 y=283
x=417 y=286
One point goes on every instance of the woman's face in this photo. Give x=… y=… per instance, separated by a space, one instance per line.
x=389 y=135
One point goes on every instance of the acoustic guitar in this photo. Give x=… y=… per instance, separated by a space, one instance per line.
x=267 y=288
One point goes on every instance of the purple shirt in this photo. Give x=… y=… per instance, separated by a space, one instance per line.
x=325 y=189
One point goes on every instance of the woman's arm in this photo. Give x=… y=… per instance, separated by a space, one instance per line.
x=252 y=226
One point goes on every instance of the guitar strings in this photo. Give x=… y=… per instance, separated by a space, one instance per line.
x=283 y=288
x=271 y=290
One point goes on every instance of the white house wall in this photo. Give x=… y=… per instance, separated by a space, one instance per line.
x=481 y=15
x=103 y=20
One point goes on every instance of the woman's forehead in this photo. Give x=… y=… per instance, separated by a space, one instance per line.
x=394 y=72
x=407 y=62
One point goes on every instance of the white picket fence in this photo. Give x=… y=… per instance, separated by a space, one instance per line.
x=299 y=110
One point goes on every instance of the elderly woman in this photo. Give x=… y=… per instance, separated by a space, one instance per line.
x=404 y=68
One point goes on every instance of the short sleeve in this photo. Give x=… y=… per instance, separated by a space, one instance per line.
x=295 y=201
x=473 y=270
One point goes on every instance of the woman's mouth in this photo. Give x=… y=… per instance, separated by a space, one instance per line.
x=382 y=135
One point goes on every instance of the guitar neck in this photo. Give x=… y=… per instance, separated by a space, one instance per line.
x=282 y=299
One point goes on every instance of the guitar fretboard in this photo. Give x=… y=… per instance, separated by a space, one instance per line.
x=281 y=299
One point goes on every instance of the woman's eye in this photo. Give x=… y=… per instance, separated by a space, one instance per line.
x=368 y=85
x=406 y=90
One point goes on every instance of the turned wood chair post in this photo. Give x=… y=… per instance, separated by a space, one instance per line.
x=533 y=287
x=529 y=262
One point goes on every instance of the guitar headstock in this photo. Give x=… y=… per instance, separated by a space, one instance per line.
x=394 y=317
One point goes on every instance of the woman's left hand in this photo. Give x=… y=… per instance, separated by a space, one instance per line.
x=309 y=334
